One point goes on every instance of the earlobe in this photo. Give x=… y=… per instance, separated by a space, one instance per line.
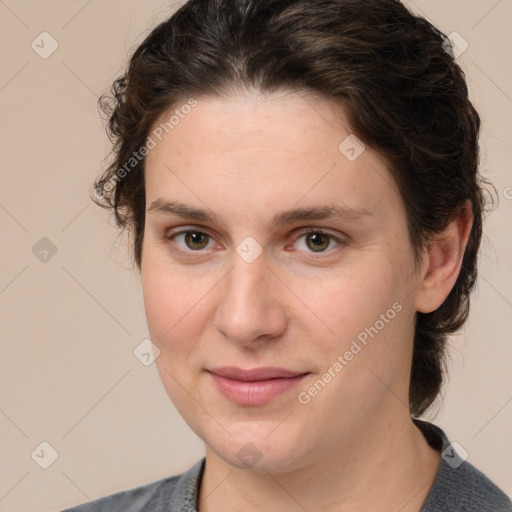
x=443 y=260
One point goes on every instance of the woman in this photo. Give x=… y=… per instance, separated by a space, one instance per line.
x=300 y=178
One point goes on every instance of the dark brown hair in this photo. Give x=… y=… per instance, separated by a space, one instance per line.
x=393 y=72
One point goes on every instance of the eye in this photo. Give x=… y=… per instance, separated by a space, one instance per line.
x=194 y=240
x=191 y=240
x=317 y=241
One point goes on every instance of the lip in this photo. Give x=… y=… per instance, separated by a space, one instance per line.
x=255 y=386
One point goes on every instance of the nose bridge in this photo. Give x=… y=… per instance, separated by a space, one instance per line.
x=248 y=279
x=247 y=308
x=248 y=283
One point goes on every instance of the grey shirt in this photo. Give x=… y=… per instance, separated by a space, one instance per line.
x=458 y=486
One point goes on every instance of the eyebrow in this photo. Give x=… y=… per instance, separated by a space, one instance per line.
x=324 y=212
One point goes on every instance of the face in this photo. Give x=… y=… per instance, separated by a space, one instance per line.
x=278 y=278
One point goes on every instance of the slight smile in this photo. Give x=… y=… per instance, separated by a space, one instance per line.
x=256 y=386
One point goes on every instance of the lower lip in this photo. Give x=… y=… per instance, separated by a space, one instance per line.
x=254 y=392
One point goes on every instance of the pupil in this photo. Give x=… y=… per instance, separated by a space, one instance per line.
x=194 y=240
x=320 y=242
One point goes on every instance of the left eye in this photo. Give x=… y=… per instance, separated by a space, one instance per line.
x=316 y=241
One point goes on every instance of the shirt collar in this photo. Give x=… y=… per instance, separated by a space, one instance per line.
x=185 y=495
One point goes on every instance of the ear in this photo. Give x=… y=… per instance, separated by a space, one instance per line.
x=443 y=260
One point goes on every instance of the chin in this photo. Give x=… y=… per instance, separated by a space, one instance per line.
x=257 y=450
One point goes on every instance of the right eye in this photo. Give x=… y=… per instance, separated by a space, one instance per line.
x=191 y=240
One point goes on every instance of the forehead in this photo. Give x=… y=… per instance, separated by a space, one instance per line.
x=282 y=146
x=250 y=120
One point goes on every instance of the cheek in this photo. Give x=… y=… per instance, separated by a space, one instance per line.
x=167 y=299
x=178 y=308
x=370 y=345
x=352 y=299
x=366 y=311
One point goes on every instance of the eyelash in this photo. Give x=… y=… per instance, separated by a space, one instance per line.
x=317 y=231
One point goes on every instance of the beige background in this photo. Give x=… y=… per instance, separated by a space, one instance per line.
x=69 y=325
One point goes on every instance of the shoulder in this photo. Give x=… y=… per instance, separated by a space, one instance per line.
x=161 y=496
x=465 y=488
x=146 y=497
x=459 y=486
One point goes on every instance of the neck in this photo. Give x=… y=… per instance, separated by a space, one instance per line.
x=388 y=468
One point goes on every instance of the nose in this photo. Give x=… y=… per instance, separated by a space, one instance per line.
x=250 y=310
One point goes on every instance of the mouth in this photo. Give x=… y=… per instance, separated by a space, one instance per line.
x=256 y=386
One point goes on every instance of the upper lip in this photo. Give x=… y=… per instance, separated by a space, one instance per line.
x=254 y=374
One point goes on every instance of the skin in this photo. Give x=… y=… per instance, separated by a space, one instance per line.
x=246 y=158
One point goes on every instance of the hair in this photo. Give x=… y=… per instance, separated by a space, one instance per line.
x=393 y=72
